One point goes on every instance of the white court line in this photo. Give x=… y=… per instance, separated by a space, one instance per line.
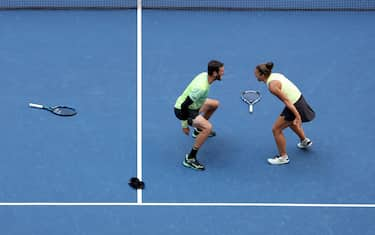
x=176 y=204
x=139 y=97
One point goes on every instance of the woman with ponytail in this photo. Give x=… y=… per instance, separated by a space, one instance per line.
x=296 y=110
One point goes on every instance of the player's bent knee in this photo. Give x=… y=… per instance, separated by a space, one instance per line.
x=207 y=127
x=215 y=104
x=276 y=130
x=293 y=126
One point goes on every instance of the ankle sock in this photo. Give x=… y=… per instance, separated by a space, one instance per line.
x=193 y=153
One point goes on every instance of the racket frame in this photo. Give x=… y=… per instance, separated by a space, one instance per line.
x=250 y=103
x=53 y=108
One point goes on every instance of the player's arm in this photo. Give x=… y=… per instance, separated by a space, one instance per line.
x=185 y=107
x=275 y=88
x=185 y=114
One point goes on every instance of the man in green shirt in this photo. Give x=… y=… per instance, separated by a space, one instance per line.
x=194 y=108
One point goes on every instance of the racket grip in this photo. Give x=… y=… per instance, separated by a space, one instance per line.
x=250 y=108
x=38 y=106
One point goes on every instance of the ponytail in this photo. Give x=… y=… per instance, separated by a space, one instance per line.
x=265 y=69
x=269 y=65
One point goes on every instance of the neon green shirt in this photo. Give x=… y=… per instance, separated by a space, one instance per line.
x=197 y=90
x=287 y=87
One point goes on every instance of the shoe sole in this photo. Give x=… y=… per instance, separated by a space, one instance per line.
x=275 y=164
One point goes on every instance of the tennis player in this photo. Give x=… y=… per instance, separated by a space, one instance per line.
x=194 y=108
x=296 y=110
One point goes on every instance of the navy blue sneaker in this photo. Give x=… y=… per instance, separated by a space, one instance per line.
x=192 y=163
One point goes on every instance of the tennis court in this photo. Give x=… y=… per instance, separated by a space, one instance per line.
x=122 y=68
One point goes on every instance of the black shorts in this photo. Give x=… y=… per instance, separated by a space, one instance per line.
x=192 y=114
x=304 y=109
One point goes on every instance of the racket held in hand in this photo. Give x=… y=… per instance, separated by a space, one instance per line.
x=251 y=97
x=58 y=110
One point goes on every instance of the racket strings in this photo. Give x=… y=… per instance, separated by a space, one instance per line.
x=251 y=97
x=64 y=111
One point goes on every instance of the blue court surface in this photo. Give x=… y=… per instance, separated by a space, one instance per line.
x=69 y=175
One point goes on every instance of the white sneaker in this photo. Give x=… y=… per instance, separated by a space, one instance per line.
x=304 y=144
x=278 y=160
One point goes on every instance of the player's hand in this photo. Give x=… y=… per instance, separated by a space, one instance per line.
x=186 y=130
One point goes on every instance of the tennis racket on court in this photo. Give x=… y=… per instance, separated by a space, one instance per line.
x=58 y=110
x=250 y=97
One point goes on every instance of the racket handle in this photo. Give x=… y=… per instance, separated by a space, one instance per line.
x=38 y=106
x=250 y=108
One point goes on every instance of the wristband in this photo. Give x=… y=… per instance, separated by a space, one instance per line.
x=184 y=124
